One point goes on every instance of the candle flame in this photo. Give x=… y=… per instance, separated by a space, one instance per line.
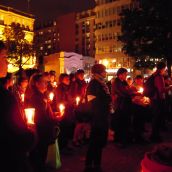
x=22 y=97
x=77 y=100
x=30 y=115
x=55 y=84
x=62 y=108
x=51 y=96
x=140 y=90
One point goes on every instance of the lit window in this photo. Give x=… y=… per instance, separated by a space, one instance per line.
x=41 y=48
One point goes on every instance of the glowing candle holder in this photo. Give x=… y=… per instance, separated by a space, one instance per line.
x=62 y=109
x=30 y=115
x=51 y=96
x=22 y=97
x=77 y=100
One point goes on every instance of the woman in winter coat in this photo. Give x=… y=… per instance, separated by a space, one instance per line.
x=44 y=121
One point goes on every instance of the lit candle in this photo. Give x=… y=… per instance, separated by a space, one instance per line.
x=55 y=84
x=62 y=109
x=30 y=115
x=77 y=100
x=140 y=90
x=51 y=96
x=22 y=97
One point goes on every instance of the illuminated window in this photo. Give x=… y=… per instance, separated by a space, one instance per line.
x=49 y=46
x=41 y=48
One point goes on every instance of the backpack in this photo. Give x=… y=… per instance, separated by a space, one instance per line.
x=149 y=87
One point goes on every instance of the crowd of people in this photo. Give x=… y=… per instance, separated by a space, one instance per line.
x=89 y=111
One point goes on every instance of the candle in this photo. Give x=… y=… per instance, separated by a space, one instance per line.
x=140 y=90
x=22 y=97
x=30 y=115
x=51 y=96
x=62 y=109
x=55 y=84
x=77 y=100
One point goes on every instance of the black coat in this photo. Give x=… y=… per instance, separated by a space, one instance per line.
x=123 y=93
x=100 y=108
x=45 y=123
x=15 y=137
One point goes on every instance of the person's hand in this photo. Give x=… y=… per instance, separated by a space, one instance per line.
x=58 y=116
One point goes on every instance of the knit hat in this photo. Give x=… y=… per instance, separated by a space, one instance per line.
x=98 y=69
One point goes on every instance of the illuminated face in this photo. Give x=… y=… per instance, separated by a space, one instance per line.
x=24 y=84
x=81 y=76
x=103 y=74
x=42 y=84
x=66 y=80
x=163 y=71
x=52 y=78
x=139 y=81
x=124 y=76
x=3 y=63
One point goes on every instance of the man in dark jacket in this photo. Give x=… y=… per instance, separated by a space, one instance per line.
x=99 y=98
x=123 y=93
x=16 y=139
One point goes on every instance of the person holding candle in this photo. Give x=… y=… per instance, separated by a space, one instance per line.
x=45 y=121
x=67 y=123
x=78 y=90
x=99 y=99
x=20 y=89
x=139 y=113
x=121 y=121
x=158 y=101
x=16 y=138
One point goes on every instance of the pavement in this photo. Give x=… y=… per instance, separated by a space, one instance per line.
x=114 y=158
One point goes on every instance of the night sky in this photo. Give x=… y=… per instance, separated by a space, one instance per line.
x=45 y=9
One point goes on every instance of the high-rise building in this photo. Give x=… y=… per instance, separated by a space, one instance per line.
x=108 y=28
x=55 y=35
x=46 y=38
x=85 y=33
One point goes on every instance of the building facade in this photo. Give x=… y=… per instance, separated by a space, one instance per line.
x=8 y=16
x=108 y=28
x=85 y=33
x=46 y=38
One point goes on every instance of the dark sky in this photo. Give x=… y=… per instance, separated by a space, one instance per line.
x=45 y=9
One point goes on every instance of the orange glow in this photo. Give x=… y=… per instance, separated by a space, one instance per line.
x=22 y=97
x=62 y=109
x=51 y=96
x=77 y=100
x=30 y=115
x=140 y=90
x=54 y=84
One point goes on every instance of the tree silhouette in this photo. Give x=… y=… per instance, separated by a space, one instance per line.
x=18 y=46
x=147 y=31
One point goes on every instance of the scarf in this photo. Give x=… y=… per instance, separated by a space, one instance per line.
x=101 y=80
